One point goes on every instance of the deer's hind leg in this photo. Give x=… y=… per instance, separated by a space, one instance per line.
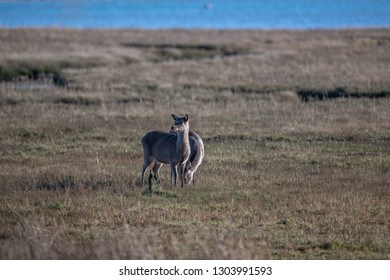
x=156 y=171
x=147 y=163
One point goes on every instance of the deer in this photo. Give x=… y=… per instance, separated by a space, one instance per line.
x=192 y=164
x=195 y=159
x=168 y=148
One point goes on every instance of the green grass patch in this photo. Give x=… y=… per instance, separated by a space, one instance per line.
x=32 y=70
x=166 y=52
x=78 y=100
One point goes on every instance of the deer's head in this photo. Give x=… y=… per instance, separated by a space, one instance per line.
x=181 y=123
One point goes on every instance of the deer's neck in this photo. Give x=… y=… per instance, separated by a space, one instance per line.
x=183 y=143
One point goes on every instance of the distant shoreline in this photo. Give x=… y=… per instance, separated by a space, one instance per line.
x=196 y=29
x=216 y=14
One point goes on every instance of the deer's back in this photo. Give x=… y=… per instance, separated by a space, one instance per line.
x=160 y=145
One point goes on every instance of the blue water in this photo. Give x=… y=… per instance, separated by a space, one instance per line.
x=217 y=14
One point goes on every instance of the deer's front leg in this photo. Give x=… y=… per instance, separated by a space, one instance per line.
x=173 y=173
x=181 y=173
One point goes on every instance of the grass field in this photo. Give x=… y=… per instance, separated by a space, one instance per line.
x=295 y=125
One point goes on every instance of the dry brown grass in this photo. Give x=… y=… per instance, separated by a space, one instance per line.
x=282 y=178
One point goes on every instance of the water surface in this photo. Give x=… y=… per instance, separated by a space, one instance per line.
x=216 y=14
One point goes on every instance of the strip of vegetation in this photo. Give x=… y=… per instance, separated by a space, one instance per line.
x=78 y=100
x=17 y=70
x=314 y=94
x=244 y=137
x=32 y=70
x=61 y=183
x=131 y=99
x=10 y=101
x=13 y=70
x=237 y=88
x=164 y=52
x=305 y=94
